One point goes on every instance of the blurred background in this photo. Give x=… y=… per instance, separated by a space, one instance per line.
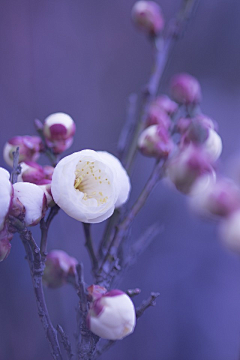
x=84 y=58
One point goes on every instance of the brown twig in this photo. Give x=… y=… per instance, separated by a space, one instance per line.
x=89 y=246
x=16 y=167
x=87 y=340
x=65 y=341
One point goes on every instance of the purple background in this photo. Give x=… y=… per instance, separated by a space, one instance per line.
x=85 y=58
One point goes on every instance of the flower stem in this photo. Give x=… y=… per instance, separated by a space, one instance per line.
x=89 y=246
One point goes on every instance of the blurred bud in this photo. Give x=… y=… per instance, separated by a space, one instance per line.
x=6 y=194
x=219 y=198
x=35 y=173
x=5 y=246
x=230 y=231
x=112 y=316
x=157 y=116
x=166 y=104
x=30 y=201
x=147 y=16
x=58 y=267
x=187 y=166
x=29 y=148
x=155 y=142
x=59 y=146
x=213 y=145
x=185 y=89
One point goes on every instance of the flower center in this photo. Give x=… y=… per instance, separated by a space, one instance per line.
x=93 y=181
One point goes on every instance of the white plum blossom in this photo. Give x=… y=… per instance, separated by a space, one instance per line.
x=112 y=316
x=88 y=185
x=33 y=199
x=6 y=193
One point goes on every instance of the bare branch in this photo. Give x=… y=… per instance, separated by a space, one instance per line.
x=151 y=301
x=133 y=292
x=65 y=342
x=89 y=246
x=44 y=226
x=16 y=167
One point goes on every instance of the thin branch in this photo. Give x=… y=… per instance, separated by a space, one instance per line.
x=89 y=246
x=65 y=341
x=127 y=130
x=133 y=292
x=151 y=301
x=44 y=226
x=87 y=341
x=16 y=167
x=110 y=258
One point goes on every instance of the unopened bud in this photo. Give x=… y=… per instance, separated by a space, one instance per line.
x=166 y=104
x=29 y=148
x=185 y=89
x=58 y=267
x=147 y=16
x=112 y=316
x=230 y=231
x=187 y=166
x=33 y=201
x=35 y=173
x=213 y=145
x=220 y=197
x=155 y=142
x=157 y=116
x=58 y=126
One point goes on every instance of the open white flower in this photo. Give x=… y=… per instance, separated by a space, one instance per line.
x=33 y=199
x=88 y=185
x=5 y=195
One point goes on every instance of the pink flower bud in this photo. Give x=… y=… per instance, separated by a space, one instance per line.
x=6 y=194
x=156 y=142
x=185 y=89
x=33 y=200
x=219 y=198
x=187 y=166
x=58 y=267
x=230 y=231
x=147 y=16
x=35 y=173
x=29 y=148
x=166 y=104
x=58 y=127
x=112 y=316
x=5 y=246
x=157 y=116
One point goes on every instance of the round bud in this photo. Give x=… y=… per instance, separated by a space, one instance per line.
x=147 y=16
x=155 y=142
x=166 y=104
x=58 y=127
x=112 y=316
x=185 y=89
x=29 y=148
x=58 y=267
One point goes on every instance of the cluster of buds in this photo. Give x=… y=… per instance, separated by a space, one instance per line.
x=112 y=314
x=147 y=16
x=59 y=267
x=58 y=130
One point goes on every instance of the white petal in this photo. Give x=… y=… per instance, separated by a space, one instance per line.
x=123 y=180
x=32 y=198
x=5 y=195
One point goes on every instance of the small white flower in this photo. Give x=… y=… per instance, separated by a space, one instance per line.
x=33 y=199
x=112 y=316
x=5 y=195
x=213 y=145
x=88 y=185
